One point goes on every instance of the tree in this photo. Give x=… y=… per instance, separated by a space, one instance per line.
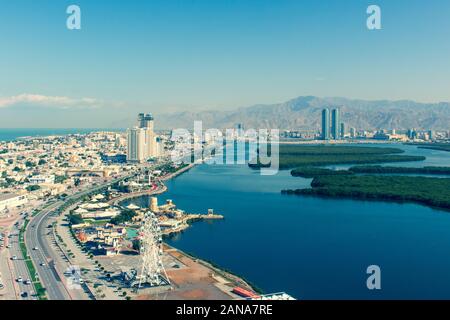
x=60 y=179
x=33 y=188
x=136 y=244
x=29 y=164
x=125 y=216
x=75 y=219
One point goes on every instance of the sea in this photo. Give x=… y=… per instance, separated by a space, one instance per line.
x=14 y=134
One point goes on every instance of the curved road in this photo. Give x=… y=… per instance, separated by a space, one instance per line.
x=40 y=252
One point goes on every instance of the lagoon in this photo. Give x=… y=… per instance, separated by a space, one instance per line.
x=314 y=248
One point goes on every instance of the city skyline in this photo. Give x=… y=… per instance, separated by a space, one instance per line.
x=165 y=57
x=235 y=152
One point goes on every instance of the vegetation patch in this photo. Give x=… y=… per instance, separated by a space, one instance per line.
x=396 y=170
x=433 y=146
x=434 y=192
x=125 y=216
x=294 y=156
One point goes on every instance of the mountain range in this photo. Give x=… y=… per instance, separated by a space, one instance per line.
x=304 y=113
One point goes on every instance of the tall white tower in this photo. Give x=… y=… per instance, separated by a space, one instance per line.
x=136 y=149
x=142 y=142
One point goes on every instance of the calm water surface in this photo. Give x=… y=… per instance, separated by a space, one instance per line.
x=313 y=248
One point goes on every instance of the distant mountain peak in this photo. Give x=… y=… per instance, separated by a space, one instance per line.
x=303 y=113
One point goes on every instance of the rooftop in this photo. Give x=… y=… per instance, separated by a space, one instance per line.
x=7 y=196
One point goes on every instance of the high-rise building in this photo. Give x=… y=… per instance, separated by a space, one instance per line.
x=342 y=130
x=142 y=141
x=136 y=148
x=146 y=121
x=412 y=134
x=335 y=124
x=352 y=132
x=326 y=124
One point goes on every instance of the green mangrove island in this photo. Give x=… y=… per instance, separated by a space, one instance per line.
x=293 y=156
x=364 y=181
x=396 y=170
x=434 y=192
x=312 y=172
x=434 y=146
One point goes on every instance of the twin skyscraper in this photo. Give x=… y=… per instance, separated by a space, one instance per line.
x=332 y=128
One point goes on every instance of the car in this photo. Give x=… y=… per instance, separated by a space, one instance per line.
x=35 y=248
x=19 y=279
x=8 y=246
x=24 y=294
x=28 y=282
x=14 y=258
x=42 y=264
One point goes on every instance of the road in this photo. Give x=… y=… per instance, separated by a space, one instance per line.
x=19 y=267
x=40 y=251
x=37 y=240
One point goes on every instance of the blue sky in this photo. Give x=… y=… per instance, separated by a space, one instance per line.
x=167 y=55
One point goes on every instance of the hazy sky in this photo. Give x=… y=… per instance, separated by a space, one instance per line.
x=165 y=55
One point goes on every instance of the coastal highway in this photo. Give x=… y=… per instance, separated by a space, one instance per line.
x=40 y=250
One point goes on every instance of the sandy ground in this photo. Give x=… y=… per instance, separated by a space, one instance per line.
x=196 y=280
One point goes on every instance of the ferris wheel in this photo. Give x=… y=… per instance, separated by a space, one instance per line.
x=153 y=272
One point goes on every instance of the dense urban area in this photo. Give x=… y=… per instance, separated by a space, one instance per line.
x=65 y=232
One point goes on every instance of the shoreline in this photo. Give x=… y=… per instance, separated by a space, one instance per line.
x=179 y=172
x=215 y=269
x=209 y=264
x=229 y=275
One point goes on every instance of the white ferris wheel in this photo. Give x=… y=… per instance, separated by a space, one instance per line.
x=153 y=272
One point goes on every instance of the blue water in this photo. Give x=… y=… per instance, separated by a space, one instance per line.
x=313 y=248
x=13 y=134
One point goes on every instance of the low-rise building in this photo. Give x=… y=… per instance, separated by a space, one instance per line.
x=41 y=179
x=11 y=200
